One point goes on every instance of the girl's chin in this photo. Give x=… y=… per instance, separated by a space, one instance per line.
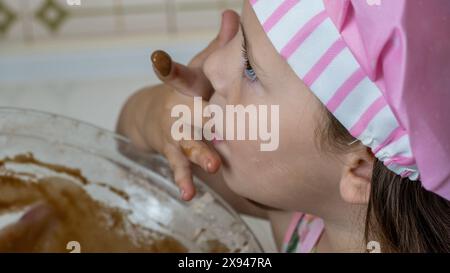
x=262 y=206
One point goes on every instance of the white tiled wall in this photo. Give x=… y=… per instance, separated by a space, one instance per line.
x=111 y=17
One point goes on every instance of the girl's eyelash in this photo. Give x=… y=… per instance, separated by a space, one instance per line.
x=249 y=72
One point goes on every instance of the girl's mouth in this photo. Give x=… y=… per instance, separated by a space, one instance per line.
x=217 y=138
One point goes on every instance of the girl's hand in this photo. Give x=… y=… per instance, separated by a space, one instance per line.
x=29 y=230
x=146 y=119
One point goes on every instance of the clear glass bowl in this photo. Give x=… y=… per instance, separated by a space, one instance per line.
x=108 y=158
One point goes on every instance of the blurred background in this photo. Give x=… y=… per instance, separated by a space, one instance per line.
x=84 y=61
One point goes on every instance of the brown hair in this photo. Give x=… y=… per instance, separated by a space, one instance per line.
x=401 y=214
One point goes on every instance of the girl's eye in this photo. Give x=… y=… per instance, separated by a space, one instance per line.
x=249 y=72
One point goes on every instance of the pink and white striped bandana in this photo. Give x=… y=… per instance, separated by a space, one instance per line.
x=352 y=63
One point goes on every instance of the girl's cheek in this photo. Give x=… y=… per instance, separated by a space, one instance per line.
x=252 y=88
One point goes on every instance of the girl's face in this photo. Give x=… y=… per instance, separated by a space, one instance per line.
x=296 y=175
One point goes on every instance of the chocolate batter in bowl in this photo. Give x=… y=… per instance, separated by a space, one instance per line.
x=66 y=186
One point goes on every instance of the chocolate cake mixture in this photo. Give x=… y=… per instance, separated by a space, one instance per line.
x=59 y=211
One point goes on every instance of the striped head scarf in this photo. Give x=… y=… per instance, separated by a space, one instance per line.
x=382 y=68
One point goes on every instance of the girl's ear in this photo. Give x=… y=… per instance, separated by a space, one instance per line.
x=356 y=176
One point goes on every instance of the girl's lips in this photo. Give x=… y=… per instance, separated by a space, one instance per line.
x=216 y=139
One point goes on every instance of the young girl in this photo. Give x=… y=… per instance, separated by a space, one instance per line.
x=364 y=149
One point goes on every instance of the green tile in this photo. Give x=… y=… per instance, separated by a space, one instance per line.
x=52 y=15
x=7 y=18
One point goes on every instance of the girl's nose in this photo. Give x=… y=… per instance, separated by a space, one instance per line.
x=216 y=66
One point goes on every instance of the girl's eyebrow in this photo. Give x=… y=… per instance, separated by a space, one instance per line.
x=246 y=45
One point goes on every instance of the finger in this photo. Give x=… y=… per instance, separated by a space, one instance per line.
x=228 y=28
x=26 y=232
x=186 y=80
x=200 y=154
x=191 y=80
x=181 y=168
